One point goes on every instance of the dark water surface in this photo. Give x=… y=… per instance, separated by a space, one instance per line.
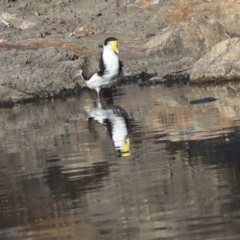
x=146 y=165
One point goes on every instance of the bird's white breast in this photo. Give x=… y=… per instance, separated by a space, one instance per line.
x=111 y=70
x=111 y=60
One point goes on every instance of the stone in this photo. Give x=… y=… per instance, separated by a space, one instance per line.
x=27 y=25
x=221 y=63
x=56 y=71
x=78 y=49
x=9 y=96
x=226 y=12
x=156 y=37
x=177 y=49
x=141 y=3
x=17 y=21
x=175 y=11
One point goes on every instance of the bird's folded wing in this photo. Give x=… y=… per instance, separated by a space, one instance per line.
x=101 y=67
x=90 y=65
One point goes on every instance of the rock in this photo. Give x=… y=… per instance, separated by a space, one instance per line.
x=80 y=32
x=26 y=25
x=55 y=73
x=226 y=12
x=171 y=34
x=10 y=96
x=175 y=11
x=177 y=49
x=140 y=3
x=221 y=63
x=78 y=49
x=17 y=21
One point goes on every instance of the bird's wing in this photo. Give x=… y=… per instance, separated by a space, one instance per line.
x=101 y=67
x=90 y=65
x=121 y=64
x=120 y=68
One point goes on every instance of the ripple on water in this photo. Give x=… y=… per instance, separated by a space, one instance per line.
x=172 y=172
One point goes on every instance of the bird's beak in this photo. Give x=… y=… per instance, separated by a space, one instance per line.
x=114 y=46
x=116 y=50
x=125 y=152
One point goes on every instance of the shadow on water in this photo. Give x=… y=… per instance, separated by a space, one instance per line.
x=61 y=176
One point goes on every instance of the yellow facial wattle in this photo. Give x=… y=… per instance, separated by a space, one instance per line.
x=114 y=46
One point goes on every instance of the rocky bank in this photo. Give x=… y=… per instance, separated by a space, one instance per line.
x=43 y=43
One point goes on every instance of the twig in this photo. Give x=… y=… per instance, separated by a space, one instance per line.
x=6 y=23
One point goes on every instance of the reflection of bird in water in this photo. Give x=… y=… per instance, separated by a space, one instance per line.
x=118 y=125
x=109 y=70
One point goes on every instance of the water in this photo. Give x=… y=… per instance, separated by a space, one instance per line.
x=153 y=163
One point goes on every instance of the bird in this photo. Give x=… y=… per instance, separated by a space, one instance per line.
x=110 y=68
x=117 y=123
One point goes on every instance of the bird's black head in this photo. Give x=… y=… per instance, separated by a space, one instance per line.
x=110 y=39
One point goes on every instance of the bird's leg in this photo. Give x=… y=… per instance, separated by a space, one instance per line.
x=98 y=92
x=99 y=104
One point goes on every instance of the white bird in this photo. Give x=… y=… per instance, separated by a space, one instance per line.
x=110 y=69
